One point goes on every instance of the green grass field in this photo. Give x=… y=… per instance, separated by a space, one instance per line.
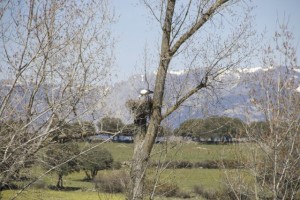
x=39 y=194
x=186 y=179
x=176 y=151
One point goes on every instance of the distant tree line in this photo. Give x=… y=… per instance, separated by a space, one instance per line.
x=220 y=126
x=215 y=126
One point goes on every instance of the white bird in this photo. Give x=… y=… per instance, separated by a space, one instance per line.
x=145 y=92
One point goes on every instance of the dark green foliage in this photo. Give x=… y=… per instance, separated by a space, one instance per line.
x=110 y=124
x=211 y=127
x=95 y=160
x=129 y=129
x=180 y=164
x=83 y=128
x=61 y=158
x=76 y=130
x=207 y=164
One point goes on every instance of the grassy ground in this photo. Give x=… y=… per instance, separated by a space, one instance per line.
x=194 y=152
x=176 y=151
x=186 y=179
x=41 y=194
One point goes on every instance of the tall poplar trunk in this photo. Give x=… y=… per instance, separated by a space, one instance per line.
x=144 y=140
x=145 y=137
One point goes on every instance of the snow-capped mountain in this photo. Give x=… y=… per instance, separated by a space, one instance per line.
x=229 y=95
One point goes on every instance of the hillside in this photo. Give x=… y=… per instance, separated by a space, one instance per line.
x=230 y=97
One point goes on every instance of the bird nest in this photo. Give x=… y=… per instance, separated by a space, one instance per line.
x=140 y=108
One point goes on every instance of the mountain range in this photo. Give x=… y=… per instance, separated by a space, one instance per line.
x=227 y=96
x=231 y=95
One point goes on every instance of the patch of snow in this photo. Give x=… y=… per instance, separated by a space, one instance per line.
x=298 y=89
x=173 y=72
x=254 y=69
x=297 y=70
x=177 y=72
x=250 y=70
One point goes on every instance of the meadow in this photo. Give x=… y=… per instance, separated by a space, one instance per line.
x=186 y=178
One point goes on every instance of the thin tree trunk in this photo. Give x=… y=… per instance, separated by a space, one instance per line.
x=94 y=173
x=59 y=182
x=88 y=176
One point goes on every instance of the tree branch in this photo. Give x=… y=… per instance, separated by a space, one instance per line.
x=203 y=84
x=205 y=17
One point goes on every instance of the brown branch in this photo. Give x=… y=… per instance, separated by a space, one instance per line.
x=205 y=17
x=203 y=84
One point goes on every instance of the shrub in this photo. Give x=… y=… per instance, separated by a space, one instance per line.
x=183 y=195
x=174 y=164
x=57 y=156
x=114 y=182
x=95 y=160
x=231 y=164
x=218 y=164
x=167 y=189
x=208 y=164
x=161 y=189
x=116 y=165
x=183 y=164
x=198 y=189
x=225 y=194
x=40 y=184
x=231 y=195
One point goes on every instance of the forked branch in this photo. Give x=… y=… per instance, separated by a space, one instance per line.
x=202 y=84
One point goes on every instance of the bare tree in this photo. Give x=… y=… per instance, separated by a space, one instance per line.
x=189 y=32
x=55 y=56
x=278 y=99
x=273 y=160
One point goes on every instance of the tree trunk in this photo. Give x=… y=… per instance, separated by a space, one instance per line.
x=88 y=176
x=59 y=182
x=94 y=174
x=145 y=139
x=138 y=166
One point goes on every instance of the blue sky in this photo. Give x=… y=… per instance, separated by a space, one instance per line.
x=134 y=29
